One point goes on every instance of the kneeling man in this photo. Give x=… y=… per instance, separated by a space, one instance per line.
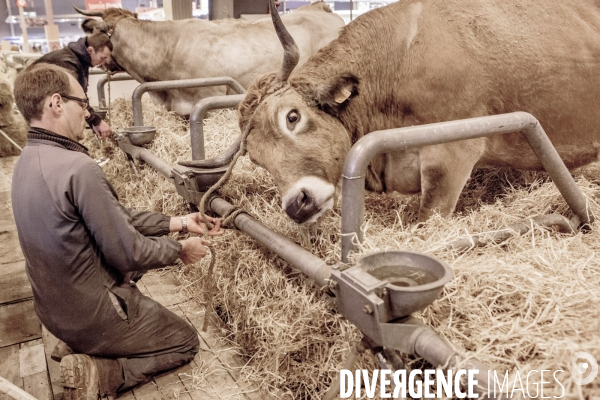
x=83 y=249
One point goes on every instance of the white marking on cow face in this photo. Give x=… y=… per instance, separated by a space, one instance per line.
x=290 y=121
x=413 y=23
x=308 y=199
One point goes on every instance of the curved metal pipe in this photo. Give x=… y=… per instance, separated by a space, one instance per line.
x=305 y=261
x=136 y=98
x=197 y=130
x=378 y=142
x=123 y=76
x=219 y=161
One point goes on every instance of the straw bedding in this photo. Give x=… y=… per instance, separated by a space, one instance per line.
x=526 y=304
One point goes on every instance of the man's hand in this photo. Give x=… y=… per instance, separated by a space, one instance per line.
x=102 y=130
x=197 y=225
x=193 y=249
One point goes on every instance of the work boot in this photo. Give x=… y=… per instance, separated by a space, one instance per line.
x=60 y=350
x=79 y=377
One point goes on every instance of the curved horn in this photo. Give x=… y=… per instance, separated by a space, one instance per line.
x=219 y=161
x=88 y=13
x=291 y=55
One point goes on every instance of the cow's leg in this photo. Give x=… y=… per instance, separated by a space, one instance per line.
x=445 y=170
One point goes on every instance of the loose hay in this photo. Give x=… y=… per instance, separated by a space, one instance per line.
x=526 y=304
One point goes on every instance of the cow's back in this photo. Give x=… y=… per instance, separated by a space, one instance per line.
x=431 y=61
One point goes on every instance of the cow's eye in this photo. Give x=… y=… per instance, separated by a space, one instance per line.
x=292 y=118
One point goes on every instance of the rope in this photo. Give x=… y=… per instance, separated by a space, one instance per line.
x=226 y=218
x=10 y=140
x=210 y=287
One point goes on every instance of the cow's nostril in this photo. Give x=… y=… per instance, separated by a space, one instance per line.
x=301 y=199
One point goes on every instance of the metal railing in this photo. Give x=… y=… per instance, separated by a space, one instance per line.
x=136 y=98
x=369 y=146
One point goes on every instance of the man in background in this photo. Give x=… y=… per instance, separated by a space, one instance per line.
x=78 y=57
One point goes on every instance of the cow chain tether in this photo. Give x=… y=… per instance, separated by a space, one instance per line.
x=210 y=286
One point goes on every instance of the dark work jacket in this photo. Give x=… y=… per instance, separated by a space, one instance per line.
x=75 y=58
x=79 y=242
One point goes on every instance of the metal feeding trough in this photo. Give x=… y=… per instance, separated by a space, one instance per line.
x=387 y=286
x=140 y=135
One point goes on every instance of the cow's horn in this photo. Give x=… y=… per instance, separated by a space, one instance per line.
x=88 y=13
x=216 y=162
x=291 y=55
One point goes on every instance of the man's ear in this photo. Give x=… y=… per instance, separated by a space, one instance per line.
x=90 y=50
x=333 y=95
x=54 y=104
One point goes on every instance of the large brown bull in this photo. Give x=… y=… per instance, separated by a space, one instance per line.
x=418 y=62
x=168 y=50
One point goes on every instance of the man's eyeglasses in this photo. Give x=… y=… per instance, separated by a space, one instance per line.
x=85 y=102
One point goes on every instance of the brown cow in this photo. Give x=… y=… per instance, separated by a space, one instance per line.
x=418 y=62
x=192 y=48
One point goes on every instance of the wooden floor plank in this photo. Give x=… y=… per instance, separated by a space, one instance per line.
x=53 y=366
x=14 y=284
x=128 y=395
x=147 y=391
x=32 y=359
x=170 y=386
x=226 y=354
x=38 y=386
x=10 y=251
x=226 y=378
x=6 y=171
x=7 y=221
x=163 y=287
x=9 y=367
x=18 y=323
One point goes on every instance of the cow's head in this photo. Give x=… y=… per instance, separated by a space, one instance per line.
x=110 y=17
x=293 y=132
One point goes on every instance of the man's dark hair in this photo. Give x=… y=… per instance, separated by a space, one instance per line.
x=35 y=84
x=98 y=41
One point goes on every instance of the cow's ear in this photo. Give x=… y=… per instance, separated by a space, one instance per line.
x=334 y=94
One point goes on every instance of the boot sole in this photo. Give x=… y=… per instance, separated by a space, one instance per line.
x=79 y=377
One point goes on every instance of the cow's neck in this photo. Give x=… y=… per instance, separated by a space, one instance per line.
x=141 y=48
x=368 y=59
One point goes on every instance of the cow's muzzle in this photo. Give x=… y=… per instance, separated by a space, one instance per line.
x=302 y=207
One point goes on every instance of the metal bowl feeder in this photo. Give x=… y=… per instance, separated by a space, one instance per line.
x=387 y=286
x=140 y=135
x=413 y=280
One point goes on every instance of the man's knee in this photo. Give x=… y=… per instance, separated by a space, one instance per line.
x=192 y=339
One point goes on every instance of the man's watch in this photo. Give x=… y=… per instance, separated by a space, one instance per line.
x=184 y=224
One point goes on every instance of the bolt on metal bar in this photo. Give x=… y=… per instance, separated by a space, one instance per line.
x=197 y=119
x=136 y=98
x=102 y=82
x=378 y=142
